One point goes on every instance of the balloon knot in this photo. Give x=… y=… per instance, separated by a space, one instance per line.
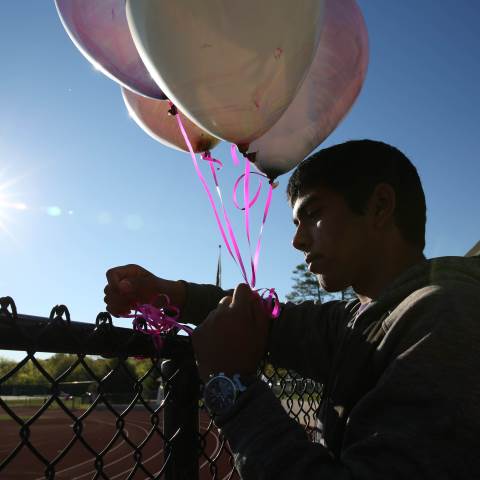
x=243 y=147
x=173 y=110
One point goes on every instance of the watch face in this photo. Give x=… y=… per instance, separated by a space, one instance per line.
x=219 y=394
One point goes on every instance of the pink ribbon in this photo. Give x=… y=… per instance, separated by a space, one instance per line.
x=270 y=301
x=247 y=204
x=155 y=321
x=159 y=321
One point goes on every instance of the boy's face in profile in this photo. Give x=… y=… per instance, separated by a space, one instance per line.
x=336 y=241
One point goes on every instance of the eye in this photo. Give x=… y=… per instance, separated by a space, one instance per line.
x=313 y=213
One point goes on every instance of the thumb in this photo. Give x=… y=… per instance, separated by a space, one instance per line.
x=225 y=301
x=126 y=286
x=242 y=295
x=133 y=285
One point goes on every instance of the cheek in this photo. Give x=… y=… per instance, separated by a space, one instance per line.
x=324 y=233
x=335 y=240
x=318 y=234
x=320 y=228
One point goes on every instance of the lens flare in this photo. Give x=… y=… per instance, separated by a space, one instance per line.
x=54 y=211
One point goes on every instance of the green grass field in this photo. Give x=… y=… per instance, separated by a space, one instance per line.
x=75 y=402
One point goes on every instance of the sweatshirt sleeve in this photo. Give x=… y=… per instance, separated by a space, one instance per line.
x=419 y=421
x=201 y=300
x=403 y=429
x=305 y=336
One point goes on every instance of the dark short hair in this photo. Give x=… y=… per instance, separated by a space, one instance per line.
x=354 y=169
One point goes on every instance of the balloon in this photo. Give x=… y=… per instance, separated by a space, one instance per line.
x=231 y=66
x=152 y=116
x=329 y=90
x=100 y=31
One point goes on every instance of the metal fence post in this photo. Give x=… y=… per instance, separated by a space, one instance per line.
x=180 y=418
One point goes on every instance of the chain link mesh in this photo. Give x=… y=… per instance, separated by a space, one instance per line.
x=109 y=408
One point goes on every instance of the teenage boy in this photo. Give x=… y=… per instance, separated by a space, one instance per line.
x=400 y=365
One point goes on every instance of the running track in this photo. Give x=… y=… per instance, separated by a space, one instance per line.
x=53 y=431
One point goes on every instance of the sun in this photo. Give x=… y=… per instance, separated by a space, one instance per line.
x=8 y=205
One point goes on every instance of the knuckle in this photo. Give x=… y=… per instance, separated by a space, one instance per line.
x=111 y=271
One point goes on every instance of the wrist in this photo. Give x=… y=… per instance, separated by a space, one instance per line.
x=175 y=290
x=221 y=392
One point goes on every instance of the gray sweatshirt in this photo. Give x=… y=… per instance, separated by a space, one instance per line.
x=402 y=383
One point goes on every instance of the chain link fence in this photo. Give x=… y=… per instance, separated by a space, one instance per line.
x=112 y=408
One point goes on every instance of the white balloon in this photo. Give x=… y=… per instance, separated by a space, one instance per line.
x=329 y=90
x=232 y=66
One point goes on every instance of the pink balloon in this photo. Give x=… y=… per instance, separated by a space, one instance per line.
x=152 y=116
x=327 y=94
x=100 y=31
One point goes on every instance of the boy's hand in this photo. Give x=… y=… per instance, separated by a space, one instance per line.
x=233 y=337
x=130 y=285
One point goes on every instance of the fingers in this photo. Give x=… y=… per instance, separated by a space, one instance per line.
x=225 y=301
x=117 y=274
x=245 y=297
x=250 y=301
x=113 y=276
x=118 y=304
x=242 y=295
x=120 y=289
x=131 y=285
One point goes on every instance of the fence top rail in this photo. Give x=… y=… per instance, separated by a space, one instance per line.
x=58 y=334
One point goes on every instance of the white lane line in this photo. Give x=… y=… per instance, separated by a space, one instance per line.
x=90 y=459
x=148 y=459
x=217 y=446
x=128 y=470
x=119 y=459
x=203 y=424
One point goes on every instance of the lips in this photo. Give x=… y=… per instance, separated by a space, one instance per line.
x=311 y=259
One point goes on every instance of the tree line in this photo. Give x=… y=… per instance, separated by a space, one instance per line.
x=118 y=376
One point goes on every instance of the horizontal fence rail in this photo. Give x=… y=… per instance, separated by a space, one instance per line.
x=108 y=405
x=58 y=334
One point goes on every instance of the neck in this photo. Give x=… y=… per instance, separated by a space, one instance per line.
x=384 y=271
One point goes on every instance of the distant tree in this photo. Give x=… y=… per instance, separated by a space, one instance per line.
x=306 y=287
x=121 y=378
x=6 y=365
x=28 y=374
x=348 y=294
x=151 y=381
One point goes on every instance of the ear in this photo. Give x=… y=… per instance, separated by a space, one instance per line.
x=382 y=205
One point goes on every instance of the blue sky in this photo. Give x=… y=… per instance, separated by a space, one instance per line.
x=66 y=141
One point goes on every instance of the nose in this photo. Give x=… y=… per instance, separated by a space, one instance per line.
x=300 y=240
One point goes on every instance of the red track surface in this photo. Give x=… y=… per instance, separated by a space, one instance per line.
x=53 y=431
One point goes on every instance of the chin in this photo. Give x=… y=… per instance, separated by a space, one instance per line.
x=331 y=285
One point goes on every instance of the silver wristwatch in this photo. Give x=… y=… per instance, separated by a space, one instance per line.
x=221 y=392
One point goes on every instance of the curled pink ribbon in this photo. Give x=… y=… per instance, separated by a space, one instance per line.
x=157 y=321
x=255 y=198
x=270 y=301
